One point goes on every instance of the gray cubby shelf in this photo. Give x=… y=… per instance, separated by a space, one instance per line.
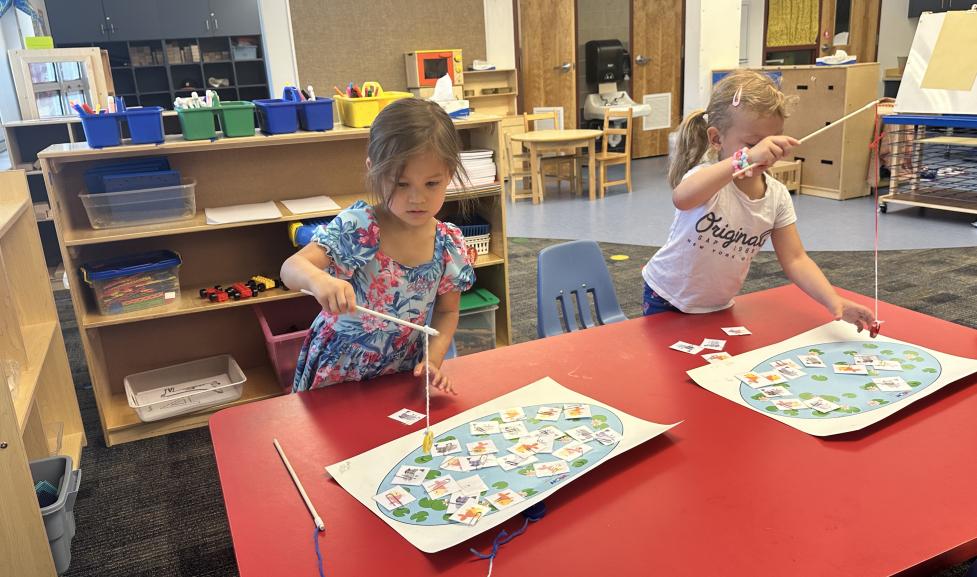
x=172 y=63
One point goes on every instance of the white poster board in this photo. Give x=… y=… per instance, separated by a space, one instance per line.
x=861 y=398
x=421 y=519
x=948 y=51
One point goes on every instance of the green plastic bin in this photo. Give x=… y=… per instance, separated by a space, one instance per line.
x=197 y=123
x=237 y=118
x=476 y=322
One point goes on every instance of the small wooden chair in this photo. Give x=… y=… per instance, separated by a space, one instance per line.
x=519 y=162
x=604 y=158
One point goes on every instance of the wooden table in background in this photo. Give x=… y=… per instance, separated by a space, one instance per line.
x=540 y=141
x=727 y=492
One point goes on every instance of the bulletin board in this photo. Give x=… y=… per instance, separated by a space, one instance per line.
x=339 y=41
x=941 y=73
x=792 y=22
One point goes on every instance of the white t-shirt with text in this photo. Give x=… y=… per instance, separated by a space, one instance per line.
x=710 y=247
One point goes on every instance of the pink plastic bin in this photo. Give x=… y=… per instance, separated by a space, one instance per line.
x=285 y=324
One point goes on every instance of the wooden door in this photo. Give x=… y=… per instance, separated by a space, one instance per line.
x=548 y=56
x=863 y=27
x=656 y=55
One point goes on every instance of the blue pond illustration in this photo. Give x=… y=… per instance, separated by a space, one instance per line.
x=430 y=512
x=854 y=393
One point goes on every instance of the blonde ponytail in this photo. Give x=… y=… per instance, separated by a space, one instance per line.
x=691 y=144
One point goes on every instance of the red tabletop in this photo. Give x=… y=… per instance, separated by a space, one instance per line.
x=727 y=492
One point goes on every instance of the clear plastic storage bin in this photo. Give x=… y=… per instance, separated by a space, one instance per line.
x=185 y=388
x=476 y=322
x=143 y=206
x=132 y=283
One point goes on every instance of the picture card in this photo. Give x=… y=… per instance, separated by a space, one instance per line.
x=892 y=384
x=791 y=372
x=443 y=448
x=581 y=434
x=576 y=411
x=888 y=366
x=406 y=416
x=685 y=347
x=504 y=498
x=812 y=361
x=480 y=461
x=484 y=428
x=472 y=486
x=713 y=344
x=441 y=486
x=394 y=497
x=820 y=405
x=784 y=363
x=469 y=513
x=512 y=461
x=456 y=464
x=512 y=414
x=550 y=468
x=548 y=413
x=775 y=391
x=717 y=357
x=481 y=447
x=788 y=404
x=845 y=369
x=607 y=436
x=572 y=451
x=736 y=331
x=408 y=475
x=550 y=431
x=514 y=430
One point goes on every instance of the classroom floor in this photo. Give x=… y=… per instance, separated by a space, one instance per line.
x=644 y=216
x=154 y=507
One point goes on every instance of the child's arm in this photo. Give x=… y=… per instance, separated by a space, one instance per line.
x=445 y=320
x=698 y=188
x=806 y=274
x=306 y=269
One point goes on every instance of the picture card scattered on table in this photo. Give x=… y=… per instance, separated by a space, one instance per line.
x=407 y=416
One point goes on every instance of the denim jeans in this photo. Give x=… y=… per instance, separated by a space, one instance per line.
x=653 y=303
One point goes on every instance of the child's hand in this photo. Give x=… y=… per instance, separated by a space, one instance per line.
x=770 y=150
x=439 y=380
x=336 y=296
x=854 y=313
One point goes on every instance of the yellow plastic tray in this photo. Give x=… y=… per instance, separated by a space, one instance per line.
x=360 y=112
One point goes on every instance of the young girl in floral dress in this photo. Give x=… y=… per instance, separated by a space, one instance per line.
x=393 y=256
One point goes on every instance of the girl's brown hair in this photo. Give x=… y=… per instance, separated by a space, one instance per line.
x=406 y=128
x=757 y=94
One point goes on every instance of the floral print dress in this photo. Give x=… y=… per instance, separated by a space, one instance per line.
x=355 y=347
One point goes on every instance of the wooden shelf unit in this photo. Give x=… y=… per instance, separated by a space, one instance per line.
x=500 y=104
x=42 y=413
x=228 y=171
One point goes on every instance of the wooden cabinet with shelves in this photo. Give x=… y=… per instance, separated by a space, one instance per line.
x=227 y=172
x=482 y=85
x=40 y=416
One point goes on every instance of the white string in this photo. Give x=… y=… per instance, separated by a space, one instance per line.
x=427 y=384
x=491 y=560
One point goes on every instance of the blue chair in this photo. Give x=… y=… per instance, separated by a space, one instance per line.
x=569 y=277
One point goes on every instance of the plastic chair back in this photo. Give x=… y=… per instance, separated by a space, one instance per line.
x=574 y=289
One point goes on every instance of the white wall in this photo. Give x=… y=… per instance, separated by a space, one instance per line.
x=500 y=40
x=754 y=49
x=710 y=43
x=276 y=32
x=896 y=31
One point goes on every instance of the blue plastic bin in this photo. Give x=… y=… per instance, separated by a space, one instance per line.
x=277 y=116
x=145 y=124
x=102 y=130
x=316 y=115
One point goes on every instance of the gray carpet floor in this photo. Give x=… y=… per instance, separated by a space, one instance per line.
x=154 y=507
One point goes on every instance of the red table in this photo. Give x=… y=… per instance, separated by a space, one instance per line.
x=727 y=492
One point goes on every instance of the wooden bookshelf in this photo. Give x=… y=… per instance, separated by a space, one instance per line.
x=227 y=172
x=40 y=417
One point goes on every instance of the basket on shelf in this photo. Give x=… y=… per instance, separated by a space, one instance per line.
x=475 y=230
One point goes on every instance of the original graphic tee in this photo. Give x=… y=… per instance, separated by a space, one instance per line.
x=710 y=247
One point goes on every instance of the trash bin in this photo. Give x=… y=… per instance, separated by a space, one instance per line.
x=59 y=517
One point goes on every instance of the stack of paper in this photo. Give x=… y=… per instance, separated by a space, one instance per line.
x=480 y=168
